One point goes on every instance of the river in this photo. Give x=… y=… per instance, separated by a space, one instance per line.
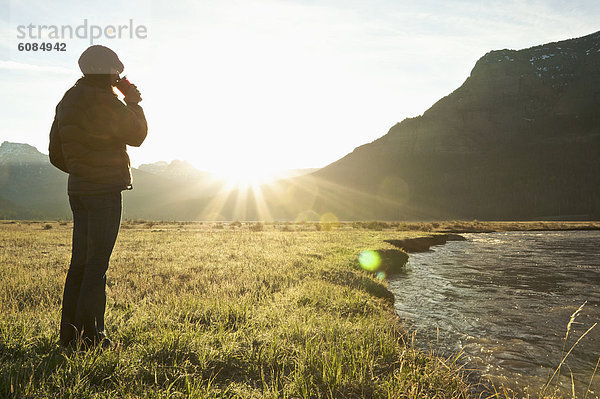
x=504 y=300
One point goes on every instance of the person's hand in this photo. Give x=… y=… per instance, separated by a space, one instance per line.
x=133 y=95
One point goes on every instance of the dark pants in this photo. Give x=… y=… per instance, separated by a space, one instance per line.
x=96 y=220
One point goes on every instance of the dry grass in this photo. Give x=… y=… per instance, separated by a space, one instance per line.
x=214 y=310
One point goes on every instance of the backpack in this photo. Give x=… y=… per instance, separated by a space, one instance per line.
x=55 y=149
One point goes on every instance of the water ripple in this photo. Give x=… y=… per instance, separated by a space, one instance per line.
x=505 y=299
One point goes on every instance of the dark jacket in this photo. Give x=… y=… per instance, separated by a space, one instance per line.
x=89 y=135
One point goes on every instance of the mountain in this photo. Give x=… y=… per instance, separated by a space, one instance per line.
x=520 y=139
x=20 y=154
x=181 y=170
x=155 y=168
x=30 y=187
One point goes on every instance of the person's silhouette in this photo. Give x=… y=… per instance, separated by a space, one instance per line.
x=88 y=140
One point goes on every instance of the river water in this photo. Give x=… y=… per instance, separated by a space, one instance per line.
x=504 y=301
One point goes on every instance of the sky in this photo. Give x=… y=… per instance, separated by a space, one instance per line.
x=267 y=85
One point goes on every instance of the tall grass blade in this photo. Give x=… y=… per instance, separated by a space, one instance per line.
x=567 y=355
x=592 y=378
x=569 y=324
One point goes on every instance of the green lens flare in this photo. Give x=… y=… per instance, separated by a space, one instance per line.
x=369 y=260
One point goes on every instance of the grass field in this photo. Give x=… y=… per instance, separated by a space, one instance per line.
x=215 y=310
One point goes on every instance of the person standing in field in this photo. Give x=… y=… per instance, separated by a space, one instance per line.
x=88 y=140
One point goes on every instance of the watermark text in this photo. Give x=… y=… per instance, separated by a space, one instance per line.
x=83 y=31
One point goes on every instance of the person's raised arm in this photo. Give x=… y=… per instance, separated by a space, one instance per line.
x=133 y=127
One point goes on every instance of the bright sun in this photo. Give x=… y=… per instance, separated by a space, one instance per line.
x=248 y=176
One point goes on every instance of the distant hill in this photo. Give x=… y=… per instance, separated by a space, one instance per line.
x=520 y=139
x=30 y=187
x=20 y=154
x=180 y=170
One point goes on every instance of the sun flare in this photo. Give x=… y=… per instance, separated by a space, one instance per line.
x=244 y=177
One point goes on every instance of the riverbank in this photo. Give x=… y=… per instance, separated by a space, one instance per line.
x=216 y=310
x=490 y=227
x=461 y=226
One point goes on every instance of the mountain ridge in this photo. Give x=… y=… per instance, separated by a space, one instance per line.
x=518 y=109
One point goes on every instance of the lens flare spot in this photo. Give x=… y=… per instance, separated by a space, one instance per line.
x=381 y=275
x=329 y=221
x=369 y=260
